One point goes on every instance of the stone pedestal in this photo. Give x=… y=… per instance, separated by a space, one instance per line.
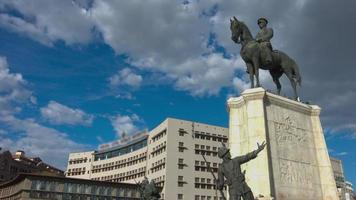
x=295 y=165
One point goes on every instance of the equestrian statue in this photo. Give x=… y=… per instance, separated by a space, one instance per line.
x=259 y=54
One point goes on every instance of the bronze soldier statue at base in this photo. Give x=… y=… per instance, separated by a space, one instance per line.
x=230 y=169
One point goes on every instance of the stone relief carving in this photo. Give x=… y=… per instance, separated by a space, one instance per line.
x=295 y=173
x=288 y=133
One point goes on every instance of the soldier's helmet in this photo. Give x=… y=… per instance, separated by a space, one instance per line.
x=262 y=19
x=223 y=151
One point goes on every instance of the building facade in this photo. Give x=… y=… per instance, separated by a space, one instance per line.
x=170 y=154
x=12 y=165
x=349 y=191
x=344 y=187
x=31 y=186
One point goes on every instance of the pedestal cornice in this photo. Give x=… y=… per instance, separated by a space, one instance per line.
x=290 y=104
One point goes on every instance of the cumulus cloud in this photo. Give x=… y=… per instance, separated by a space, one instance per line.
x=57 y=113
x=47 y=21
x=13 y=91
x=125 y=77
x=174 y=40
x=126 y=124
x=37 y=140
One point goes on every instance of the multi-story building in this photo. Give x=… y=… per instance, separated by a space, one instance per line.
x=12 y=165
x=349 y=191
x=32 y=186
x=344 y=188
x=170 y=154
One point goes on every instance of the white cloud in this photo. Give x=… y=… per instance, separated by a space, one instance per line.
x=125 y=77
x=37 y=140
x=57 y=113
x=125 y=124
x=205 y=74
x=13 y=90
x=171 y=39
x=26 y=134
x=344 y=153
x=48 y=21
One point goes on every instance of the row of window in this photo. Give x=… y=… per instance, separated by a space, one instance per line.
x=159 y=181
x=204 y=197
x=76 y=171
x=119 y=166
x=157 y=150
x=158 y=167
x=205 y=164
x=78 y=160
x=49 y=195
x=75 y=188
x=208 y=136
x=158 y=136
x=124 y=175
x=120 y=151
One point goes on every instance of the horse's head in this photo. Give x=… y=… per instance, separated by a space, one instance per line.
x=236 y=30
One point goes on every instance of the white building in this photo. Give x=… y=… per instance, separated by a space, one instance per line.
x=170 y=154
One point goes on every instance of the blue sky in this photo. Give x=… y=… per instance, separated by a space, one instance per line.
x=75 y=74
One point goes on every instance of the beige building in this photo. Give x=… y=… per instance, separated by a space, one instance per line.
x=344 y=187
x=170 y=154
x=32 y=186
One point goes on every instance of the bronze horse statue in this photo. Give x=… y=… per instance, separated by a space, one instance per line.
x=251 y=54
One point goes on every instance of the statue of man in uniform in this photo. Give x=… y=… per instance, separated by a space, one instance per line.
x=263 y=37
x=230 y=169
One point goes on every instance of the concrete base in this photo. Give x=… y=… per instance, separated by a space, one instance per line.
x=295 y=165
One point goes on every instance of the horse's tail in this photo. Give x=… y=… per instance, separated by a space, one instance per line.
x=296 y=72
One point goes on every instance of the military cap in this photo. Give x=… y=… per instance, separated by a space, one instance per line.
x=223 y=151
x=262 y=19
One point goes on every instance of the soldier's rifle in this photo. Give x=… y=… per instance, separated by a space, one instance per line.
x=215 y=179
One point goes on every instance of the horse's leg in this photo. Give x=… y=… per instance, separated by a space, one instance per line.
x=250 y=72
x=256 y=65
x=293 y=82
x=275 y=76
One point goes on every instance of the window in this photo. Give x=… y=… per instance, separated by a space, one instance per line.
x=180 y=160
x=180 y=178
x=34 y=185
x=181 y=132
x=180 y=196
x=181 y=144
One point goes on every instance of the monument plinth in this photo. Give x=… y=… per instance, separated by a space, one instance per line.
x=295 y=165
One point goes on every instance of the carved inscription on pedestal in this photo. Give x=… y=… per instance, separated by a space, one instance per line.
x=295 y=173
x=292 y=144
x=287 y=133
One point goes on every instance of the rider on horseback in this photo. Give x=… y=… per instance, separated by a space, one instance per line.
x=263 y=37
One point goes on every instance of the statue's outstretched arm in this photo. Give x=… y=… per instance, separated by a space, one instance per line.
x=249 y=156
